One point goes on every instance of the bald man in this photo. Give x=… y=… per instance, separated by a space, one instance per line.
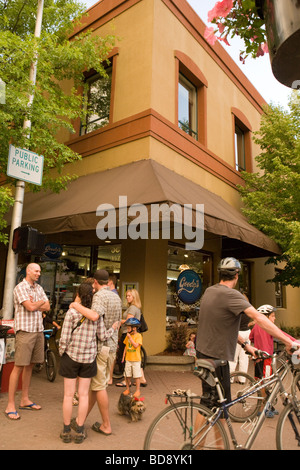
x=30 y=301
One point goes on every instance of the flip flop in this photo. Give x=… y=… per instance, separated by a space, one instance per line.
x=30 y=407
x=96 y=427
x=8 y=413
x=121 y=384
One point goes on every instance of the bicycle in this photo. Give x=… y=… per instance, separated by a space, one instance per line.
x=50 y=358
x=188 y=425
x=242 y=383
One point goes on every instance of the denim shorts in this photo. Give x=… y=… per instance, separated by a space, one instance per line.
x=71 y=369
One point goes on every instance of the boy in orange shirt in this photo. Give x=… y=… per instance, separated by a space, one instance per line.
x=132 y=355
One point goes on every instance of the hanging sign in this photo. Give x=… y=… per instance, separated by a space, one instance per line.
x=188 y=286
x=25 y=165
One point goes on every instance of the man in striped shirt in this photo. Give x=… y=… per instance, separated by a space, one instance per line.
x=30 y=301
x=108 y=306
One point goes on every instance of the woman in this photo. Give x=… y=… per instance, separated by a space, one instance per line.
x=133 y=311
x=78 y=348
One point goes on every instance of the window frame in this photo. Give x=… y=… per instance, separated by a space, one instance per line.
x=188 y=69
x=240 y=121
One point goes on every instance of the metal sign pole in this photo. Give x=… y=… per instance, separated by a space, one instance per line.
x=16 y=221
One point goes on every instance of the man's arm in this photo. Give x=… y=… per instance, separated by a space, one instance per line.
x=41 y=305
x=86 y=312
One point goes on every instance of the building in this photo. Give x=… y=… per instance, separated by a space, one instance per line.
x=174 y=132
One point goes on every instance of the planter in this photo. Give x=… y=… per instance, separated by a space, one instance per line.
x=282 y=19
x=171 y=363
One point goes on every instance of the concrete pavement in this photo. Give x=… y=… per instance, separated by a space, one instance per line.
x=40 y=429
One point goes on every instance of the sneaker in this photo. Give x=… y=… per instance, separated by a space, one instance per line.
x=66 y=437
x=79 y=437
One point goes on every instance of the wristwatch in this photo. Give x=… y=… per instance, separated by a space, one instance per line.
x=245 y=344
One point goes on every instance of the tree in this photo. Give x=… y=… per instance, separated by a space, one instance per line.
x=238 y=18
x=272 y=196
x=54 y=107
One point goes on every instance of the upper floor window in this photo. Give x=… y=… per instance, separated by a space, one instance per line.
x=191 y=90
x=187 y=107
x=239 y=144
x=242 y=141
x=97 y=102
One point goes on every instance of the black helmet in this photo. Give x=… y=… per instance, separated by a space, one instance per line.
x=132 y=322
x=229 y=266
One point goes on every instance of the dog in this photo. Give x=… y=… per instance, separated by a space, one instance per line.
x=134 y=407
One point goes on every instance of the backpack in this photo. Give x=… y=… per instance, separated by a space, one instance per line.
x=144 y=326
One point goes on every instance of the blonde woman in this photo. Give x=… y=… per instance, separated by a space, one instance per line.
x=133 y=311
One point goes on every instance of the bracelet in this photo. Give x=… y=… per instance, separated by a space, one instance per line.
x=244 y=344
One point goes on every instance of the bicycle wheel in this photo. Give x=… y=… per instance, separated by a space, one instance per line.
x=119 y=367
x=143 y=357
x=247 y=408
x=185 y=426
x=296 y=386
x=288 y=429
x=51 y=367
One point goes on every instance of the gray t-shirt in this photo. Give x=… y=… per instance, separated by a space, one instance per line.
x=219 y=321
x=134 y=311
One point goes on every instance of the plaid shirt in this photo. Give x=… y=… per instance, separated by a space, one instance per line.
x=108 y=305
x=25 y=320
x=81 y=345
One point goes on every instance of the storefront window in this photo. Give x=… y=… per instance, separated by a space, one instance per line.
x=61 y=277
x=178 y=260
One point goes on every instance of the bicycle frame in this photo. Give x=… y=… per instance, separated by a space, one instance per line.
x=276 y=379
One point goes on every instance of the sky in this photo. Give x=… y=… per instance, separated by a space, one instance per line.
x=258 y=71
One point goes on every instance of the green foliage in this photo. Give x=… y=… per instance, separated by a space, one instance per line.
x=272 y=196
x=177 y=338
x=57 y=100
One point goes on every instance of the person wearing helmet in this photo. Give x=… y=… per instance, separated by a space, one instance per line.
x=218 y=324
x=132 y=355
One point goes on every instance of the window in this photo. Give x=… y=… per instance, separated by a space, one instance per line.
x=242 y=141
x=187 y=107
x=191 y=95
x=239 y=143
x=279 y=291
x=178 y=260
x=97 y=99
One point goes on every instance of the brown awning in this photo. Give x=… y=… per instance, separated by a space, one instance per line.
x=143 y=182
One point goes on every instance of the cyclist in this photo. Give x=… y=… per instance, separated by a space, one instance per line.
x=218 y=325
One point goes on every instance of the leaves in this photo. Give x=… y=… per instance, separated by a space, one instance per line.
x=271 y=196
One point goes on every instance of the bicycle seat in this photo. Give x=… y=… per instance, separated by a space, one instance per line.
x=210 y=364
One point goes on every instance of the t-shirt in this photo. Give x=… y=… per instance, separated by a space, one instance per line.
x=219 y=321
x=133 y=354
x=262 y=340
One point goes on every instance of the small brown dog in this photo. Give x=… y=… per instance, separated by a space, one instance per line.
x=132 y=406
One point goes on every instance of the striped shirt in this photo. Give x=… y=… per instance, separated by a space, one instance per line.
x=81 y=344
x=25 y=320
x=108 y=305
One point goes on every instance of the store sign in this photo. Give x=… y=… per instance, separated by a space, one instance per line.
x=188 y=286
x=53 y=250
x=25 y=165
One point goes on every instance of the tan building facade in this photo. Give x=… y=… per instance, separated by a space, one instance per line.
x=177 y=131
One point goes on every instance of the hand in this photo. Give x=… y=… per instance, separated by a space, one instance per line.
x=251 y=350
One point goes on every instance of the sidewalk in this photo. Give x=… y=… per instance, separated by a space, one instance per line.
x=40 y=430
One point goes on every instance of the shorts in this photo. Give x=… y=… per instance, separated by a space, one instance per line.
x=71 y=369
x=209 y=394
x=29 y=348
x=133 y=369
x=104 y=364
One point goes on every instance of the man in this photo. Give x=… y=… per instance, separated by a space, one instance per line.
x=112 y=283
x=30 y=301
x=107 y=305
x=218 y=325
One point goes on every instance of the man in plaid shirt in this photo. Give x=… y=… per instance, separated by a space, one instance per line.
x=30 y=301
x=108 y=306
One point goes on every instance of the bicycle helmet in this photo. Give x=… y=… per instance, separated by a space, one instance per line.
x=229 y=266
x=266 y=309
x=132 y=322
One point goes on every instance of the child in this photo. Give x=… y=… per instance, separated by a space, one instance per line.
x=132 y=355
x=190 y=346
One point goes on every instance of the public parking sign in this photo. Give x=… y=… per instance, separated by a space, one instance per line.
x=25 y=165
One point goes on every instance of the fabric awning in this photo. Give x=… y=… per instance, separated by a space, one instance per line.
x=143 y=182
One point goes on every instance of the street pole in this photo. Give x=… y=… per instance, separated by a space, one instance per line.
x=16 y=221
